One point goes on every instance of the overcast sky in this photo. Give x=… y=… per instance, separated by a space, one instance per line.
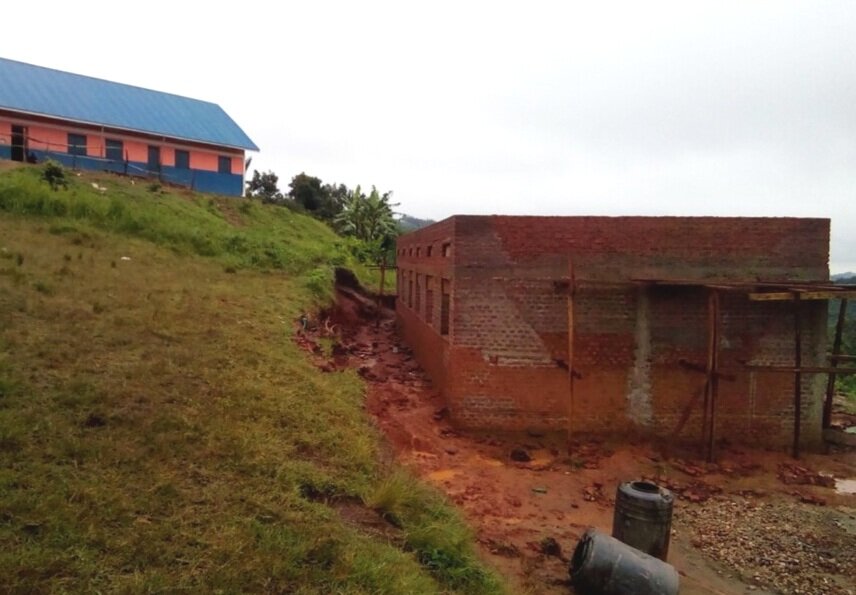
x=553 y=108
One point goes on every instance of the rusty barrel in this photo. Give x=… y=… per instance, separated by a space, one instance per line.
x=643 y=517
x=602 y=565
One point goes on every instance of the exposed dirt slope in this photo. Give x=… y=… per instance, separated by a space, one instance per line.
x=522 y=509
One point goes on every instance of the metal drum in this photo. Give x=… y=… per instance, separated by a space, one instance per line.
x=643 y=517
x=602 y=565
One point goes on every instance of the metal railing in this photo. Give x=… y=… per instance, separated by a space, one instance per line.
x=93 y=158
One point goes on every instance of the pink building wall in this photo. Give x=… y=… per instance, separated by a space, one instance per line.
x=206 y=161
x=50 y=137
x=41 y=138
x=167 y=155
x=135 y=150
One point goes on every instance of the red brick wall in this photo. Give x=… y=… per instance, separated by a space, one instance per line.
x=504 y=364
x=420 y=330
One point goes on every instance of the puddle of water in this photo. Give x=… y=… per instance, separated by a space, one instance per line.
x=845 y=486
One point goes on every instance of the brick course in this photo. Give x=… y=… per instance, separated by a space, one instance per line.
x=503 y=364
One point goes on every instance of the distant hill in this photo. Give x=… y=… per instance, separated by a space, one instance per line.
x=848 y=277
x=408 y=223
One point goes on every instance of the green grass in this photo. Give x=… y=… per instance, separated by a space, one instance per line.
x=159 y=430
x=238 y=233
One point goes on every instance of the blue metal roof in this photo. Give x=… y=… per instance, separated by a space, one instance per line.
x=49 y=92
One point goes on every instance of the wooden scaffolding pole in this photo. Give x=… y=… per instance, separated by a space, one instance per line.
x=571 y=291
x=797 y=374
x=834 y=359
x=712 y=384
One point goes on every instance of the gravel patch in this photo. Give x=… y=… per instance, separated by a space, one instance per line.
x=783 y=546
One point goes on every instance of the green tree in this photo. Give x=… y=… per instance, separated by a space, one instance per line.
x=370 y=219
x=265 y=186
x=334 y=199
x=307 y=191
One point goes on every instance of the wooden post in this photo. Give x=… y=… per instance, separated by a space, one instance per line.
x=571 y=291
x=797 y=374
x=836 y=351
x=712 y=385
x=380 y=290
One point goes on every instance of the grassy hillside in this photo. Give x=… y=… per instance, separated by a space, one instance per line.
x=240 y=234
x=159 y=430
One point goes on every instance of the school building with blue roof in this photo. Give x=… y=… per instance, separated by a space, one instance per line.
x=90 y=123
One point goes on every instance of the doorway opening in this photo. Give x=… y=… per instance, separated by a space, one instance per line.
x=19 y=143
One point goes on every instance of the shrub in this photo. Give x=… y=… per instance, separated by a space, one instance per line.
x=54 y=174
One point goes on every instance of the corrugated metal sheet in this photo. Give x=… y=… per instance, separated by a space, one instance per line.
x=49 y=92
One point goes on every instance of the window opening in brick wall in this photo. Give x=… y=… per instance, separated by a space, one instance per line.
x=447 y=250
x=445 y=300
x=429 y=299
x=418 y=252
x=410 y=290
x=418 y=300
x=428 y=251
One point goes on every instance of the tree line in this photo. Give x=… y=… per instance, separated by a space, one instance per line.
x=367 y=218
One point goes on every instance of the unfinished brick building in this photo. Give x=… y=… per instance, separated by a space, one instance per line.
x=676 y=330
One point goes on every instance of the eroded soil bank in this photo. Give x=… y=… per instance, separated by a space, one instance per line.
x=754 y=522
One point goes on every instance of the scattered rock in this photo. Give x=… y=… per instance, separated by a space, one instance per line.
x=551 y=547
x=783 y=546
x=690 y=469
x=365 y=371
x=520 y=455
x=810 y=499
x=695 y=491
x=794 y=474
x=499 y=548
x=594 y=493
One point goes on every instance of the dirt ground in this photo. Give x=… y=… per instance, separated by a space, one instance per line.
x=754 y=522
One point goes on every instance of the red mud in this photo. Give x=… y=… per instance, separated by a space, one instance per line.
x=528 y=515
